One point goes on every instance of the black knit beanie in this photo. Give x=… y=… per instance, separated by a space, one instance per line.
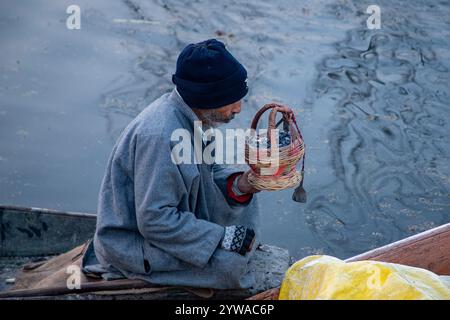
x=208 y=76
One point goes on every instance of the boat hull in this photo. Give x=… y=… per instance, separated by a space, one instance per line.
x=28 y=232
x=38 y=232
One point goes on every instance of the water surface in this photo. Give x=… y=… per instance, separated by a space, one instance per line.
x=373 y=105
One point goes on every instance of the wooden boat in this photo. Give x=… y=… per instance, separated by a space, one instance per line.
x=27 y=234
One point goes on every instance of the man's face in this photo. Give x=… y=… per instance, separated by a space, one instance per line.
x=215 y=117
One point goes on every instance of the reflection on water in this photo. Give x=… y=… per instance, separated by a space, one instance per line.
x=373 y=105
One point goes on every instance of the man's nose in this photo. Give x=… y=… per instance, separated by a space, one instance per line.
x=237 y=108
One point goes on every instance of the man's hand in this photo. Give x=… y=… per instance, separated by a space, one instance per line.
x=243 y=184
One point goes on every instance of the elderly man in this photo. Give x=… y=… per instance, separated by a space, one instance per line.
x=182 y=224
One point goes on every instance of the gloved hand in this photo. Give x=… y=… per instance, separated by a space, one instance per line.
x=239 y=239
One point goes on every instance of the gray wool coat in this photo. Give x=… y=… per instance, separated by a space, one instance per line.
x=171 y=215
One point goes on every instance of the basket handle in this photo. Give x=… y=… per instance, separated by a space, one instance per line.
x=288 y=115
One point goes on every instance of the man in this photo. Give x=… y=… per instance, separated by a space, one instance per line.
x=180 y=224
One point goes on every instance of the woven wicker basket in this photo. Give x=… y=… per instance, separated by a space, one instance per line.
x=274 y=168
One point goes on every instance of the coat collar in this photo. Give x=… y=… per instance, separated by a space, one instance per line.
x=182 y=106
x=179 y=103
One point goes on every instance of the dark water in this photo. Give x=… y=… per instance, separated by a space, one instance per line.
x=373 y=105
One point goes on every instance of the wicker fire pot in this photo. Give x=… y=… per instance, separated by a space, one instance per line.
x=274 y=154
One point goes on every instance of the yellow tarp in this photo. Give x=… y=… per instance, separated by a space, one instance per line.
x=325 y=277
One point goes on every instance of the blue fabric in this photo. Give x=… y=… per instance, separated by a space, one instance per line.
x=171 y=215
x=208 y=76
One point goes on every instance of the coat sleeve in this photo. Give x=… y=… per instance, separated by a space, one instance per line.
x=221 y=174
x=159 y=188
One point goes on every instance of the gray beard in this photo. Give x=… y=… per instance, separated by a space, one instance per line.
x=210 y=120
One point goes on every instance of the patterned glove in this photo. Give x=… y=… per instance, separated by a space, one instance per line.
x=239 y=239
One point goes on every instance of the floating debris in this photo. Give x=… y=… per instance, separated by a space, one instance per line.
x=135 y=21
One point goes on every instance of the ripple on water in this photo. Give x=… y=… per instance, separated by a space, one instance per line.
x=390 y=144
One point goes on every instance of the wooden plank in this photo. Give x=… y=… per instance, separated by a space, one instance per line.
x=428 y=250
x=36 y=232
